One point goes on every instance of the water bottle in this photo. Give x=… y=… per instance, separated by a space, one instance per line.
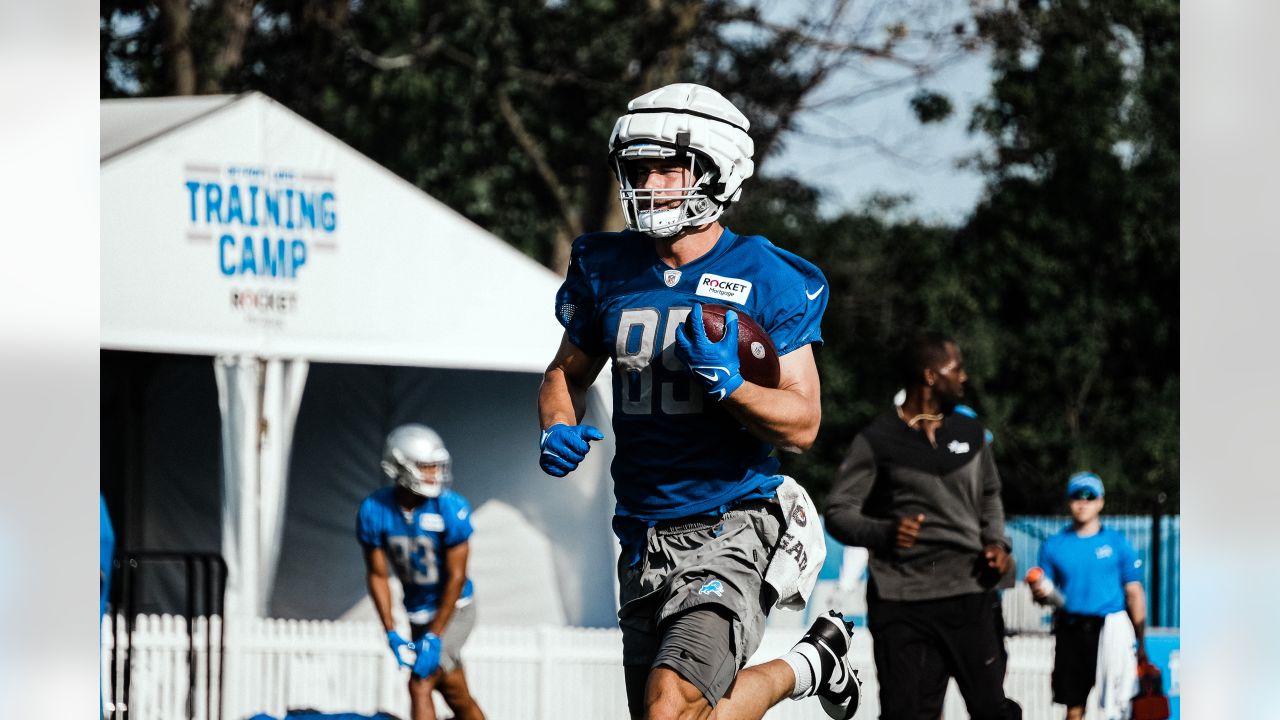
x=1037 y=579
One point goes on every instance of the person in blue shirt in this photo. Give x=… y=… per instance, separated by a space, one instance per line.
x=695 y=468
x=419 y=529
x=1096 y=574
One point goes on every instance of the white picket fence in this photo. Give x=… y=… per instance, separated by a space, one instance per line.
x=516 y=673
x=1021 y=613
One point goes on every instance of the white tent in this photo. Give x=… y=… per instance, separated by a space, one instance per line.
x=337 y=300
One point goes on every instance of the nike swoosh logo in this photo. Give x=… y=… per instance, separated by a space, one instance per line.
x=835 y=684
x=813 y=295
x=714 y=370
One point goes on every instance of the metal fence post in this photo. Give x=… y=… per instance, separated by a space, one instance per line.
x=1157 y=586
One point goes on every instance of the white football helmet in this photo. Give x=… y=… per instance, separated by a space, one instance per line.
x=411 y=446
x=689 y=122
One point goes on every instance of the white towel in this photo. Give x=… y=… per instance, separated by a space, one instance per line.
x=1117 y=676
x=793 y=571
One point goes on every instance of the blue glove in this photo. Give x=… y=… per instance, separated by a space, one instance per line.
x=715 y=363
x=428 y=661
x=564 y=446
x=397 y=642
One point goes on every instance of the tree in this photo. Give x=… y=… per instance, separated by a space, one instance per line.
x=173 y=47
x=502 y=108
x=1072 y=255
x=1062 y=286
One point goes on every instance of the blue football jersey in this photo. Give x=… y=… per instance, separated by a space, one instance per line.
x=678 y=452
x=415 y=542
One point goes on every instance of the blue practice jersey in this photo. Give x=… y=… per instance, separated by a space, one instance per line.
x=1090 y=571
x=415 y=542
x=678 y=452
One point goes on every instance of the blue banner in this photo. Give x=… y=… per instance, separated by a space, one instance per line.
x=1163 y=652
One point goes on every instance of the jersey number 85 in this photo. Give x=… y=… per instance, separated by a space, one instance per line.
x=634 y=353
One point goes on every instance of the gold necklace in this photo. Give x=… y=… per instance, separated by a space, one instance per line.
x=922 y=417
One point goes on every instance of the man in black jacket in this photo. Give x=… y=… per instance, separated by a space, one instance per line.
x=919 y=489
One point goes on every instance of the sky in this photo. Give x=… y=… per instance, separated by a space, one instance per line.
x=829 y=148
x=921 y=160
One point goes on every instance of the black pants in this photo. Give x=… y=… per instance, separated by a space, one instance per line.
x=919 y=645
x=1075 y=657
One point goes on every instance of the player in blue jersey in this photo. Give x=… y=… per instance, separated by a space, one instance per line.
x=695 y=471
x=1099 y=578
x=419 y=529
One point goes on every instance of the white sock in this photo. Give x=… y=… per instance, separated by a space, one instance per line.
x=806 y=665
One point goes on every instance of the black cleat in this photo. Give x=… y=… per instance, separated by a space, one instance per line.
x=838 y=686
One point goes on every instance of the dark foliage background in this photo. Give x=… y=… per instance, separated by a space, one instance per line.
x=1061 y=285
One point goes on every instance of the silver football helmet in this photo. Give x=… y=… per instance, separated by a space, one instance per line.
x=409 y=449
x=688 y=123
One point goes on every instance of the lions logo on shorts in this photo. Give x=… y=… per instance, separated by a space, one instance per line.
x=712 y=587
x=798 y=516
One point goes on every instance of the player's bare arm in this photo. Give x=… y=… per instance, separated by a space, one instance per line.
x=377 y=578
x=789 y=415
x=455 y=578
x=562 y=396
x=1135 y=603
x=562 y=402
x=377 y=574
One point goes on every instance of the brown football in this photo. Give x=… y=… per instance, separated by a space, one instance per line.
x=757 y=357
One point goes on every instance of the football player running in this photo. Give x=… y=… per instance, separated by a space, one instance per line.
x=695 y=472
x=419 y=528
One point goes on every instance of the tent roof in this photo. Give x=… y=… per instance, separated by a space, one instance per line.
x=128 y=123
x=398 y=278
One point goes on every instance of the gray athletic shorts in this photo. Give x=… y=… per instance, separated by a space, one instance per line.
x=462 y=622
x=696 y=600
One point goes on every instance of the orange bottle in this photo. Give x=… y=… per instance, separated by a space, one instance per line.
x=1037 y=579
